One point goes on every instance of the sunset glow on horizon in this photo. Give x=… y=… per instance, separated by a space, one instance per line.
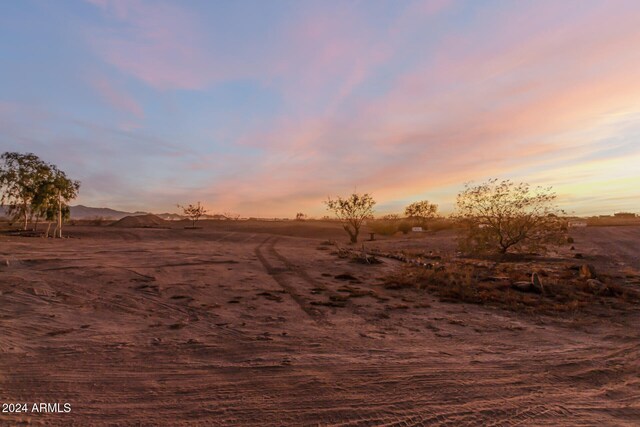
x=265 y=108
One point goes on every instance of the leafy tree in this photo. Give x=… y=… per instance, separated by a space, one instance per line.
x=300 y=216
x=52 y=195
x=421 y=210
x=20 y=177
x=194 y=212
x=352 y=210
x=501 y=216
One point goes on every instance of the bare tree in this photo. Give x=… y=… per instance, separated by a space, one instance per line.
x=352 y=210
x=501 y=216
x=193 y=212
x=231 y=215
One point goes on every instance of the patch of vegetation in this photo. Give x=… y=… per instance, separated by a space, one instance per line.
x=33 y=189
x=505 y=216
x=421 y=211
x=352 y=211
x=384 y=227
x=405 y=227
x=193 y=212
x=563 y=292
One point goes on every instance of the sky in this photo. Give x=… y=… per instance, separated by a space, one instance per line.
x=266 y=108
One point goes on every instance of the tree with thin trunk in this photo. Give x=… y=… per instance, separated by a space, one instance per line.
x=352 y=211
x=51 y=197
x=193 y=212
x=20 y=177
x=502 y=216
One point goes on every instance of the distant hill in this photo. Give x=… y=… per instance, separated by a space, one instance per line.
x=88 y=212
x=140 y=221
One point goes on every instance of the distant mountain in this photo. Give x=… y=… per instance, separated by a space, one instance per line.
x=86 y=212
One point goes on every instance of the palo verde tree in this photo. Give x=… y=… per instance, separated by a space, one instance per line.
x=499 y=216
x=52 y=196
x=421 y=210
x=352 y=210
x=193 y=212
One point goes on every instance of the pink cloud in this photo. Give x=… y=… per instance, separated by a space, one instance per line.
x=117 y=98
x=503 y=96
x=157 y=42
x=514 y=105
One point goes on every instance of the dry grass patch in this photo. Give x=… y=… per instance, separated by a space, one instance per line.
x=494 y=284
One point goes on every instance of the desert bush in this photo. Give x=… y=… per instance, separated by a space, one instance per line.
x=97 y=220
x=422 y=210
x=442 y=224
x=503 y=216
x=352 y=211
x=564 y=292
x=383 y=226
x=405 y=227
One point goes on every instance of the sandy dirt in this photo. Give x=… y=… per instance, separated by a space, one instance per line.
x=248 y=325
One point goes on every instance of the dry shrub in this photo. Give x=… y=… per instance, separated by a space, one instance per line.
x=505 y=216
x=384 y=227
x=440 y=224
x=460 y=282
x=405 y=227
x=455 y=285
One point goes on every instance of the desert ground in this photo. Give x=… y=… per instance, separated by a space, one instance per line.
x=261 y=323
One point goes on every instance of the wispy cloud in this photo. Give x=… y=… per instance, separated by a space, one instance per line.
x=117 y=97
x=402 y=100
x=157 y=42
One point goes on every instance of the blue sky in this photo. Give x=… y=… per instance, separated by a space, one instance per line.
x=267 y=107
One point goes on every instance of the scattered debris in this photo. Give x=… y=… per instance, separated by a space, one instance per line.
x=597 y=287
x=587 y=271
x=522 y=286
x=536 y=283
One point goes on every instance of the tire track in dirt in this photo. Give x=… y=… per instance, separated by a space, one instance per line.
x=282 y=275
x=208 y=373
x=220 y=239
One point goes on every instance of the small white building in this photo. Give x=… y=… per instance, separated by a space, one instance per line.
x=417 y=229
x=577 y=224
